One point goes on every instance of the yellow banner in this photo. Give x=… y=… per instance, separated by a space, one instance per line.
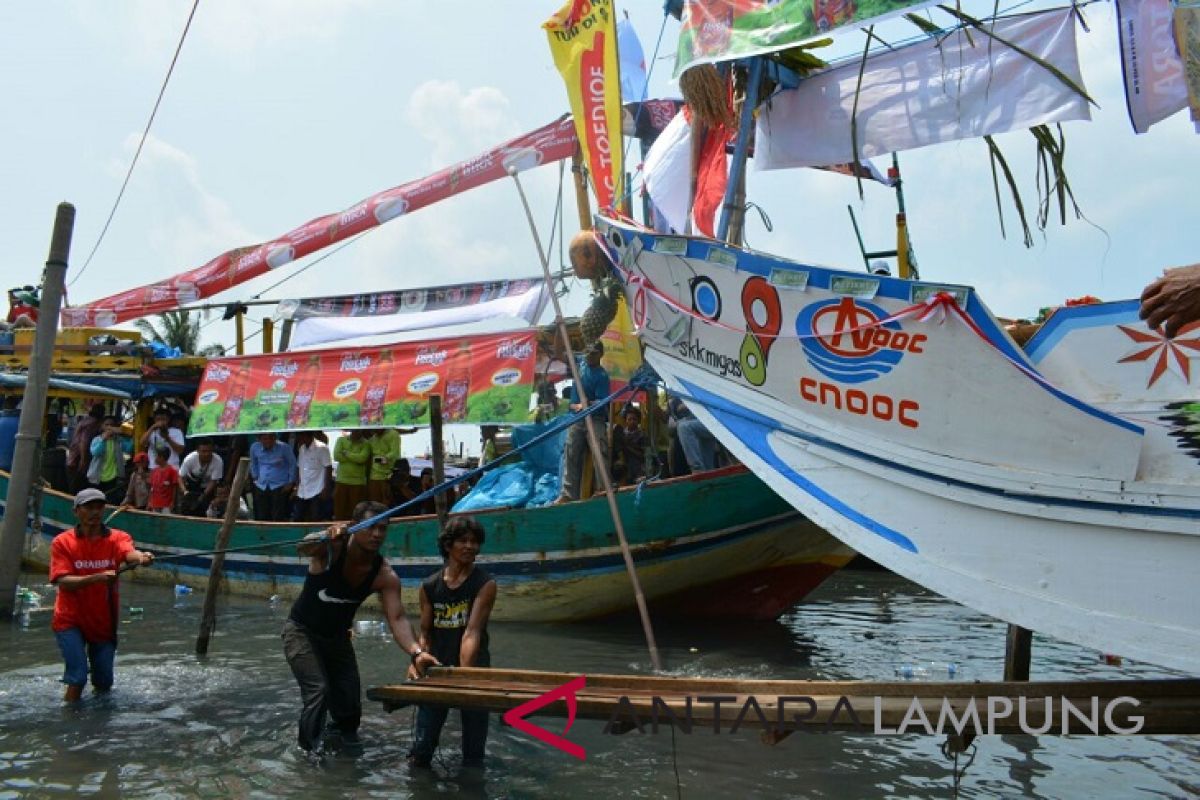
x=583 y=41
x=622 y=350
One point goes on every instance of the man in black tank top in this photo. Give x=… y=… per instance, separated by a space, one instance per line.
x=343 y=571
x=456 y=602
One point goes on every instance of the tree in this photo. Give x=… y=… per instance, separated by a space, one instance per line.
x=178 y=329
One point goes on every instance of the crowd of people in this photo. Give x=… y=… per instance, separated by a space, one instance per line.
x=293 y=477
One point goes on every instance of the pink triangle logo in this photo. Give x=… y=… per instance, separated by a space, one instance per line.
x=516 y=717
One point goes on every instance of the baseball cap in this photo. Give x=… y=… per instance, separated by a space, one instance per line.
x=89 y=495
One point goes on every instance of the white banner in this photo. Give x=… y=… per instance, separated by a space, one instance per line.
x=417 y=309
x=1154 y=84
x=928 y=93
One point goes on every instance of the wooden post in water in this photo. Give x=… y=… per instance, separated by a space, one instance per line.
x=1018 y=652
x=33 y=410
x=439 y=457
x=208 y=620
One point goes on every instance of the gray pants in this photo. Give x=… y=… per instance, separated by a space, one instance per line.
x=699 y=446
x=576 y=451
x=327 y=672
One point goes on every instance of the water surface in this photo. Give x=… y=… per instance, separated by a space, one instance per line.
x=224 y=726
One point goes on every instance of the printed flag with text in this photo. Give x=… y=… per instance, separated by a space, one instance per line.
x=583 y=41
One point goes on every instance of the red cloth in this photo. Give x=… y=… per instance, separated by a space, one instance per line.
x=88 y=608
x=712 y=176
x=163 y=482
x=17 y=309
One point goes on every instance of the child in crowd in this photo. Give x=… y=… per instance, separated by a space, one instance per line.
x=164 y=482
x=138 y=494
x=220 y=501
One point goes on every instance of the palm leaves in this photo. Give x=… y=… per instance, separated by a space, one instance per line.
x=178 y=329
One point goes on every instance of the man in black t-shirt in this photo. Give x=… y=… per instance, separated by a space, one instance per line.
x=456 y=602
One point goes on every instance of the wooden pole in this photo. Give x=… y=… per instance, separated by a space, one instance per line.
x=208 y=620
x=285 y=335
x=240 y=345
x=1018 y=653
x=593 y=442
x=439 y=457
x=582 y=204
x=33 y=410
x=268 y=334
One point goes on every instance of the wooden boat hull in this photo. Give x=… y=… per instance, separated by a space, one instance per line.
x=915 y=431
x=715 y=544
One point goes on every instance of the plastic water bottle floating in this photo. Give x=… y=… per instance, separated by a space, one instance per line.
x=180 y=589
x=928 y=670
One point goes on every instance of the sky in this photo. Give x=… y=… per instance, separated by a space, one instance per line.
x=280 y=111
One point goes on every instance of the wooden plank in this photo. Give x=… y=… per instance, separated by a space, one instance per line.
x=1166 y=706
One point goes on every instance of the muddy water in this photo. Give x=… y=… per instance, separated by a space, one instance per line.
x=224 y=726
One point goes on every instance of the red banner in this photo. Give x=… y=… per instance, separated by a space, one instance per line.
x=481 y=379
x=546 y=145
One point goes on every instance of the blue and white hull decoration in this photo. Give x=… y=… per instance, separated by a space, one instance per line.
x=1052 y=489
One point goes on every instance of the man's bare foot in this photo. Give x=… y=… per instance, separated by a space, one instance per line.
x=72 y=694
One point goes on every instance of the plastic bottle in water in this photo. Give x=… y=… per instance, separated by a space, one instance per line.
x=926 y=671
x=181 y=590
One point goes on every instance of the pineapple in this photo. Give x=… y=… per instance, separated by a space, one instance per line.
x=601 y=310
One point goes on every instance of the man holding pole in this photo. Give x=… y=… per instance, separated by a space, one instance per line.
x=344 y=569
x=84 y=563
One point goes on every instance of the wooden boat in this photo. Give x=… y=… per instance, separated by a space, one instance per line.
x=1056 y=489
x=714 y=544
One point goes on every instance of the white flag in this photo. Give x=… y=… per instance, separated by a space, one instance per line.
x=668 y=173
x=928 y=93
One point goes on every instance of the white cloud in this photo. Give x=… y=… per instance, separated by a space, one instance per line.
x=459 y=123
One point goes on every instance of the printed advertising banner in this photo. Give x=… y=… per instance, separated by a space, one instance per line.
x=583 y=41
x=547 y=144
x=481 y=379
x=725 y=30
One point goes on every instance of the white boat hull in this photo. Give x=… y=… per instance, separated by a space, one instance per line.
x=993 y=488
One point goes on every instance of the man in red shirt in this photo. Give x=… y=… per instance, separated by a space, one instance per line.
x=83 y=565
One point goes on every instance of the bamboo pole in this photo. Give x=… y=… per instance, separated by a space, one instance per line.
x=593 y=441
x=239 y=328
x=439 y=457
x=268 y=334
x=33 y=410
x=582 y=204
x=208 y=619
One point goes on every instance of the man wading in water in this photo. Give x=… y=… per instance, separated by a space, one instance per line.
x=83 y=565
x=344 y=570
x=456 y=602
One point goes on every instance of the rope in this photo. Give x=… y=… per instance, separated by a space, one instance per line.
x=145 y=134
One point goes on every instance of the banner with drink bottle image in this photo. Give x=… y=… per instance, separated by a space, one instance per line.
x=483 y=379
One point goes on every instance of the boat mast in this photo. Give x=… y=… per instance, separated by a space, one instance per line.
x=733 y=211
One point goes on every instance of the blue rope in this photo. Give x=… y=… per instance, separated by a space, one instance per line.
x=640 y=380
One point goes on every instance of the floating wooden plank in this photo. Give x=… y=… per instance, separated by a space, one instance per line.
x=628 y=702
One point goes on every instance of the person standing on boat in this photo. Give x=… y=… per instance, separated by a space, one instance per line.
x=344 y=569
x=596 y=386
x=353 y=456
x=79 y=454
x=699 y=445
x=162 y=434
x=385 y=450
x=1173 y=300
x=456 y=602
x=314 y=489
x=107 y=468
x=273 y=470
x=83 y=565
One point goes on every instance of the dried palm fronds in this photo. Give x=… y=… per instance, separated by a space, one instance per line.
x=707 y=94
